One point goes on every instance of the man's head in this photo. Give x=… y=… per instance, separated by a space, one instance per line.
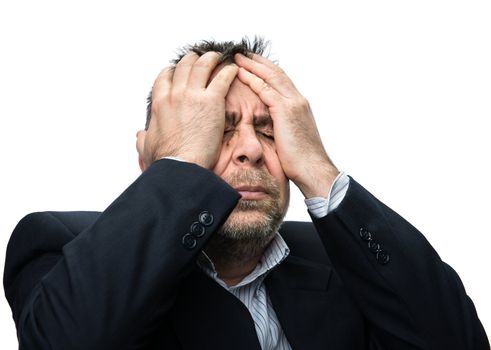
x=248 y=160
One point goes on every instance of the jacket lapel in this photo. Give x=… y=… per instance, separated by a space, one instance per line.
x=313 y=307
x=206 y=316
x=298 y=292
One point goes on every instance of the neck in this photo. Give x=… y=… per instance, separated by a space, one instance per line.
x=235 y=259
x=232 y=274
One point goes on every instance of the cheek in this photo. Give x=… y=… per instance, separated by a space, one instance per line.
x=223 y=160
x=274 y=167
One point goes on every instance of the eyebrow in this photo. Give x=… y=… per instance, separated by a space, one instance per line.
x=259 y=121
x=232 y=118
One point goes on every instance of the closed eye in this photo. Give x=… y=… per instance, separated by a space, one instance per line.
x=267 y=135
x=227 y=134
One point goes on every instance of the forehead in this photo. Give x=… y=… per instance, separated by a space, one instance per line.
x=242 y=102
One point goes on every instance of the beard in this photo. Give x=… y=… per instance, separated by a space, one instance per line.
x=252 y=224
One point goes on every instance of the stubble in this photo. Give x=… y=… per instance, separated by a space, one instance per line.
x=252 y=224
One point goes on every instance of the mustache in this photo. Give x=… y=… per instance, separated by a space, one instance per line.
x=254 y=177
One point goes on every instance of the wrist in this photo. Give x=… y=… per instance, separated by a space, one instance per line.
x=318 y=181
x=204 y=160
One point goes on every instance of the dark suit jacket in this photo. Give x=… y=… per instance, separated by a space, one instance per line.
x=360 y=278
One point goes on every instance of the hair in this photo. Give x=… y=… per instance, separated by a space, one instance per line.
x=228 y=49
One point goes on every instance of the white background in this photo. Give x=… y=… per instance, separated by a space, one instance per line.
x=400 y=90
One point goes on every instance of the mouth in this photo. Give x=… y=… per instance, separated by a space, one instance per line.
x=249 y=192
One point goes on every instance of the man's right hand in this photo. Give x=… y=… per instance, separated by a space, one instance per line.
x=188 y=111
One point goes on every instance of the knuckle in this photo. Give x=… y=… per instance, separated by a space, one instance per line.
x=302 y=102
x=191 y=95
x=204 y=64
x=207 y=60
x=213 y=95
x=279 y=70
x=160 y=95
x=275 y=76
x=177 y=96
x=158 y=81
x=299 y=105
x=166 y=70
x=258 y=85
x=156 y=106
x=211 y=55
x=265 y=86
x=187 y=60
x=183 y=64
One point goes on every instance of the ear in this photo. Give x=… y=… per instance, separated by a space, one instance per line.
x=140 y=143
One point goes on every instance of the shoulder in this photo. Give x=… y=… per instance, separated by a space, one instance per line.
x=52 y=223
x=34 y=248
x=44 y=232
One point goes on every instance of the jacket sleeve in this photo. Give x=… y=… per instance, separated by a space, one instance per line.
x=110 y=284
x=410 y=297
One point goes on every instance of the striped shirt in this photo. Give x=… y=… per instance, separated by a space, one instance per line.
x=251 y=291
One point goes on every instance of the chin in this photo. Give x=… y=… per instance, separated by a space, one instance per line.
x=252 y=220
x=248 y=217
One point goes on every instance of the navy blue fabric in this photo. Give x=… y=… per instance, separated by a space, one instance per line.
x=124 y=279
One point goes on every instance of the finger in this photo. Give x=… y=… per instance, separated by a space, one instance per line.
x=202 y=69
x=263 y=60
x=140 y=140
x=163 y=83
x=183 y=69
x=266 y=93
x=271 y=73
x=224 y=78
x=255 y=67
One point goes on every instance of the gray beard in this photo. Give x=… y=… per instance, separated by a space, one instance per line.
x=252 y=224
x=237 y=242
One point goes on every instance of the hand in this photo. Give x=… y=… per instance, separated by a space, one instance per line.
x=298 y=143
x=188 y=113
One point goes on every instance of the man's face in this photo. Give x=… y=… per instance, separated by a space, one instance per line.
x=249 y=163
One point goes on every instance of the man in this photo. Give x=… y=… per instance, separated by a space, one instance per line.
x=192 y=256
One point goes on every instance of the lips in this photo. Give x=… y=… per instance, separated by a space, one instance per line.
x=249 y=192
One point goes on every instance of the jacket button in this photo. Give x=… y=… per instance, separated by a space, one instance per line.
x=365 y=234
x=197 y=230
x=383 y=257
x=188 y=241
x=206 y=218
x=374 y=247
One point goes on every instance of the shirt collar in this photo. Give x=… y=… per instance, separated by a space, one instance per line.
x=275 y=253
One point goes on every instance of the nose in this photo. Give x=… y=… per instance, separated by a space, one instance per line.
x=248 y=150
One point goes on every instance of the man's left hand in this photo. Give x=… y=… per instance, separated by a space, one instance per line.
x=298 y=143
